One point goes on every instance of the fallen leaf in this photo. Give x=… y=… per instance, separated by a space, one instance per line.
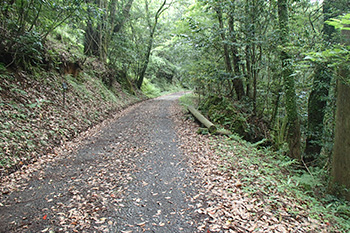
x=201 y=227
x=142 y=224
x=102 y=220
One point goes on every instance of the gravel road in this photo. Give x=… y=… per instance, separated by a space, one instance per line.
x=129 y=177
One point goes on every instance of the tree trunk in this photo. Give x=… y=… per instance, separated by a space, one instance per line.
x=321 y=84
x=237 y=82
x=150 y=42
x=225 y=47
x=145 y=63
x=91 y=45
x=316 y=111
x=248 y=71
x=97 y=38
x=102 y=33
x=234 y=49
x=126 y=13
x=93 y=35
x=341 y=153
x=293 y=136
x=211 y=127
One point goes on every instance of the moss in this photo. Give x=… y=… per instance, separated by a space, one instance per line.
x=236 y=117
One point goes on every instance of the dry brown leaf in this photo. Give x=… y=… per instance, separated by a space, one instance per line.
x=141 y=224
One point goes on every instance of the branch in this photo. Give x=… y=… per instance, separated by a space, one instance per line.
x=54 y=26
x=160 y=11
x=36 y=18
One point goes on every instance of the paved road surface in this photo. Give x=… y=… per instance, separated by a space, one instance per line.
x=130 y=178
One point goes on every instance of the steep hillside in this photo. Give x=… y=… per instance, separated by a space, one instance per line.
x=42 y=109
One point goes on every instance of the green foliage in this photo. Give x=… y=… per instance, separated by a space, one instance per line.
x=225 y=113
x=235 y=116
x=38 y=103
x=341 y=23
x=160 y=87
x=2 y=68
x=203 y=131
x=29 y=50
x=254 y=38
x=149 y=89
x=161 y=67
x=335 y=57
x=73 y=37
x=271 y=176
x=189 y=99
x=25 y=26
x=106 y=94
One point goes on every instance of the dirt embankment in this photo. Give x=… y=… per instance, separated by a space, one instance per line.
x=41 y=111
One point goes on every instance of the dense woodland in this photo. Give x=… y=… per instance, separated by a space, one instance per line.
x=274 y=72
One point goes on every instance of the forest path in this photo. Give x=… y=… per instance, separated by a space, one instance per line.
x=130 y=177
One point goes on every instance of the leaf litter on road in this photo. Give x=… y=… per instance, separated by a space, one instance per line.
x=89 y=186
x=225 y=203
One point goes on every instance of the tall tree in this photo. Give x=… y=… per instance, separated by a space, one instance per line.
x=234 y=50
x=227 y=58
x=233 y=72
x=341 y=154
x=316 y=111
x=152 y=25
x=320 y=89
x=321 y=85
x=103 y=24
x=254 y=28
x=293 y=134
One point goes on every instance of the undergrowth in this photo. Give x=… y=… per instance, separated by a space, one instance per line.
x=158 y=88
x=43 y=105
x=236 y=116
x=37 y=114
x=149 y=89
x=268 y=174
x=263 y=171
